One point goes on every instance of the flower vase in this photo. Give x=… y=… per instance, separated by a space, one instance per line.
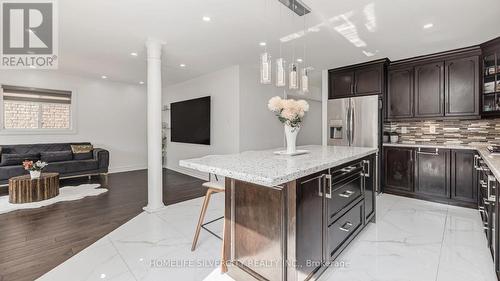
x=291 y=138
x=35 y=174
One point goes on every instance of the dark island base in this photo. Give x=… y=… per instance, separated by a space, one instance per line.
x=295 y=231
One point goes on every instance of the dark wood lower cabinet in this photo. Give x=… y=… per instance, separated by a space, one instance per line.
x=440 y=175
x=310 y=225
x=398 y=168
x=432 y=172
x=463 y=176
x=370 y=186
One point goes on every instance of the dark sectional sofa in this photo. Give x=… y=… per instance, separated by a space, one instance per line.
x=57 y=155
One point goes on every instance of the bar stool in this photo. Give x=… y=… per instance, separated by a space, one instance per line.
x=213 y=188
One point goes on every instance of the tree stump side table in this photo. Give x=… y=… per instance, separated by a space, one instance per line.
x=23 y=189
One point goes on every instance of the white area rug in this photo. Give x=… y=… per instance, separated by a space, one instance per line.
x=66 y=193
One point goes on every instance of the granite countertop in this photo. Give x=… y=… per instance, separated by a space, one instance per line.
x=267 y=169
x=492 y=160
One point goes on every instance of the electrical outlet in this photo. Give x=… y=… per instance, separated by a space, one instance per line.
x=432 y=129
x=404 y=130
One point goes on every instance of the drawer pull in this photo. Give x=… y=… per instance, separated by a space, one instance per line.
x=346 y=227
x=346 y=194
x=348 y=169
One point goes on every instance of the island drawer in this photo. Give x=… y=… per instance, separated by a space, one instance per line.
x=346 y=187
x=344 y=228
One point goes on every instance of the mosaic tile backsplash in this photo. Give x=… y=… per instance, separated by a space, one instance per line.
x=447 y=131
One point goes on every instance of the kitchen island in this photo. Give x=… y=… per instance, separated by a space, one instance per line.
x=289 y=217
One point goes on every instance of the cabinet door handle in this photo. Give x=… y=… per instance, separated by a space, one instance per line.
x=428 y=153
x=346 y=227
x=489 y=186
x=366 y=173
x=329 y=186
x=320 y=186
x=346 y=194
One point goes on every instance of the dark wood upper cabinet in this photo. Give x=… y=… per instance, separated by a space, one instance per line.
x=357 y=80
x=310 y=226
x=400 y=93
x=463 y=176
x=341 y=84
x=369 y=80
x=429 y=90
x=432 y=172
x=398 y=168
x=438 y=86
x=462 y=86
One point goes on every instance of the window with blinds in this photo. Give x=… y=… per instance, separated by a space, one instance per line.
x=31 y=108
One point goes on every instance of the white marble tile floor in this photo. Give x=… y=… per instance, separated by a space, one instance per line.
x=413 y=240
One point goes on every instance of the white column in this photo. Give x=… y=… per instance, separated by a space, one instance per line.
x=155 y=184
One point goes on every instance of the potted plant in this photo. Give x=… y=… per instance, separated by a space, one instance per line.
x=291 y=113
x=35 y=169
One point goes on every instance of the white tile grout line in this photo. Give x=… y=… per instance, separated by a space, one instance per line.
x=442 y=242
x=121 y=257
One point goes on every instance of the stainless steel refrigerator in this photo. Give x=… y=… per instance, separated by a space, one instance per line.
x=356 y=122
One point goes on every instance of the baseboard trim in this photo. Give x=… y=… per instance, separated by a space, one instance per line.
x=189 y=172
x=122 y=169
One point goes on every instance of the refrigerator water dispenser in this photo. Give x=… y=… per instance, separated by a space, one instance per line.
x=336 y=129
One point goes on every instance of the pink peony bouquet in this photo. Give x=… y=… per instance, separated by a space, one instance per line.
x=289 y=111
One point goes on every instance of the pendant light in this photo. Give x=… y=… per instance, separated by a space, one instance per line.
x=304 y=80
x=293 y=68
x=280 y=72
x=265 y=63
x=265 y=68
x=293 y=78
x=280 y=63
x=304 y=75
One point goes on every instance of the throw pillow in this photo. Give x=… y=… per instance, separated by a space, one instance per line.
x=56 y=156
x=17 y=159
x=81 y=148
x=82 y=151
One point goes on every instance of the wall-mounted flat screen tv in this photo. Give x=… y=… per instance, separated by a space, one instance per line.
x=190 y=121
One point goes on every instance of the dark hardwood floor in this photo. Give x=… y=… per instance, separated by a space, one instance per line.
x=32 y=242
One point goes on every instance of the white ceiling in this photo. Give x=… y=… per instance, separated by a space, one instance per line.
x=97 y=37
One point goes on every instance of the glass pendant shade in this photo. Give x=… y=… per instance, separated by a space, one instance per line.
x=265 y=68
x=293 y=80
x=304 y=80
x=280 y=73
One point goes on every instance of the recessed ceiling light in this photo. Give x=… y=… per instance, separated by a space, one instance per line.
x=428 y=25
x=299 y=60
x=104 y=77
x=262 y=43
x=141 y=82
x=206 y=18
x=134 y=54
x=182 y=65
x=103 y=276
